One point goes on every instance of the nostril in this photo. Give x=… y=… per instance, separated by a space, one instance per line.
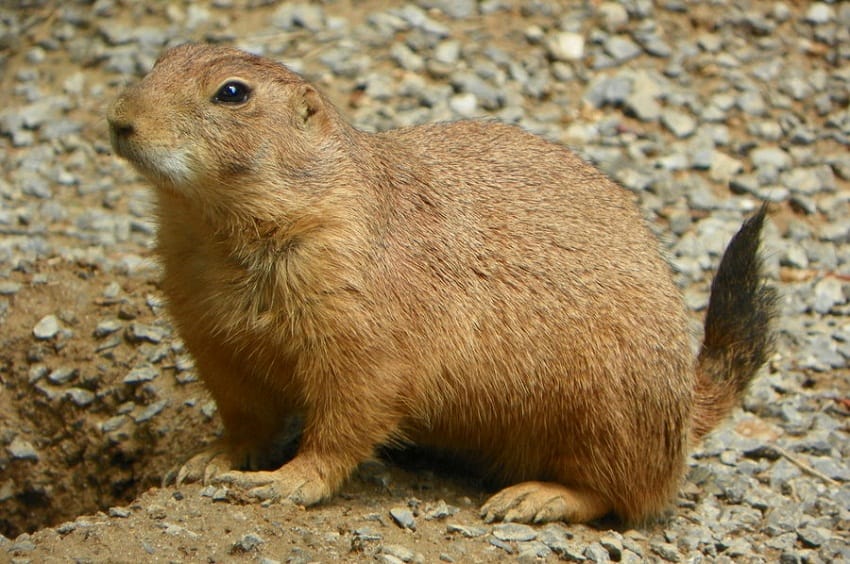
x=121 y=129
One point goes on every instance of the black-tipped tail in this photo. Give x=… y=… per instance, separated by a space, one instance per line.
x=738 y=327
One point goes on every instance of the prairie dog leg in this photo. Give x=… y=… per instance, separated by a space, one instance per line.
x=335 y=440
x=541 y=502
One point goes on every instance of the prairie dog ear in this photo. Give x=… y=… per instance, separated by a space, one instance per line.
x=311 y=107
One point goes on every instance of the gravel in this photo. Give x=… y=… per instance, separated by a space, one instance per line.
x=701 y=110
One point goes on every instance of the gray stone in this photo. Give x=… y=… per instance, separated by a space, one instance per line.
x=9 y=288
x=247 y=543
x=406 y=58
x=46 y=328
x=20 y=449
x=447 y=52
x=595 y=552
x=440 y=511
x=644 y=107
x=290 y=17
x=207 y=491
x=837 y=232
x=418 y=18
x=614 y=91
x=773 y=157
x=402 y=553
x=813 y=537
x=622 y=48
x=654 y=44
x=752 y=103
x=36 y=373
x=795 y=256
x=829 y=292
x=140 y=332
x=782 y=519
x=119 y=512
x=710 y=42
x=470 y=531
x=630 y=557
x=33 y=184
x=62 y=375
x=679 y=123
x=642 y=101
x=724 y=168
x=403 y=517
x=464 y=104
x=830 y=467
x=514 y=532
x=665 y=550
x=151 y=411
x=498 y=543
x=819 y=13
x=457 y=9
x=380 y=86
x=21 y=544
x=825 y=352
x=613 y=544
x=107 y=327
x=565 y=46
x=141 y=374
x=809 y=180
x=531 y=552
x=798 y=87
x=614 y=15
x=221 y=494
x=557 y=538
x=488 y=96
x=113 y=423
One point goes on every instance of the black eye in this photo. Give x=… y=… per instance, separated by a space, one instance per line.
x=232 y=92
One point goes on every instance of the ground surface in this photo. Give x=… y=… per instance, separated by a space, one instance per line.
x=703 y=109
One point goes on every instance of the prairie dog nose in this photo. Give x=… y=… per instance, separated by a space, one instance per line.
x=119 y=114
x=120 y=124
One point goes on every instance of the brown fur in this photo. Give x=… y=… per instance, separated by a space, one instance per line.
x=464 y=286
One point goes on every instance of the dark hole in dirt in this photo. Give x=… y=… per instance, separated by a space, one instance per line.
x=95 y=414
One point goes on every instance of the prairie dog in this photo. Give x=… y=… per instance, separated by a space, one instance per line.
x=464 y=286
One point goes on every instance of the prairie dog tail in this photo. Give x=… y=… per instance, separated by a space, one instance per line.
x=738 y=333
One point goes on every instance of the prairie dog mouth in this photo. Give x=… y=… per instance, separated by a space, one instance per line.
x=157 y=163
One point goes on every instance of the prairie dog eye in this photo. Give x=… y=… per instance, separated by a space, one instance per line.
x=232 y=92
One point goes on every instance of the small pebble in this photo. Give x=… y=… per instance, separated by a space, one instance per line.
x=62 y=375
x=80 y=397
x=666 y=550
x=402 y=553
x=514 y=532
x=247 y=543
x=565 y=46
x=470 y=531
x=20 y=449
x=46 y=328
x=151 y=411
x=403 y=517
x=121 y=512
x=141 y=374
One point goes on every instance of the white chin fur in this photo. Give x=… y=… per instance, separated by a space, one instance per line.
x=173 y=166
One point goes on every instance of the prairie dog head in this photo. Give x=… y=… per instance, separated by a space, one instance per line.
x=220 y=124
